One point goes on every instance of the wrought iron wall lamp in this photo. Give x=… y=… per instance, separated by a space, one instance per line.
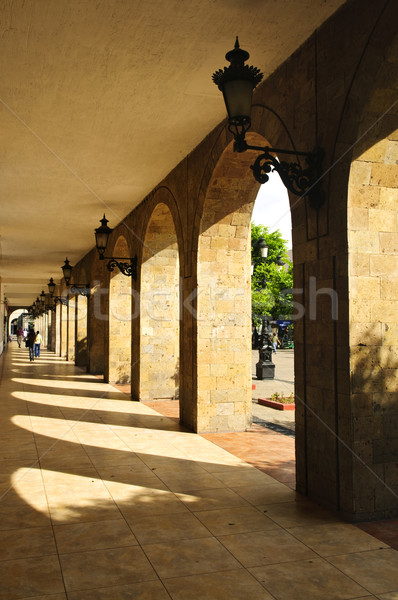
x=54 y=299
x=237 y=82
x=102 y=234
x=76 y=288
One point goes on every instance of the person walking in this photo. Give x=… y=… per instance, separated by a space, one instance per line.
x=38 y=341
x=275 y=342
x=30 y=342
x=19 y=336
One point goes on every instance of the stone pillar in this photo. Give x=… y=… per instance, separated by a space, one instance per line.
x=58 y=330
x=223 y=318
x=81 y=358
x=118 y=366
x=64 y=330
x=160 y=306
x=52 y=332
x=97 y=326
x=71 y=328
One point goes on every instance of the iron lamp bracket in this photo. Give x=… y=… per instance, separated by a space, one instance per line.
x=300 y=181
x=82 y=290
x=127 y=268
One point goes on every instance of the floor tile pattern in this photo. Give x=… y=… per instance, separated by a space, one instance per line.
x=102 y=498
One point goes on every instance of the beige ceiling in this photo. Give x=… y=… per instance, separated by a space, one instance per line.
x=100 y=99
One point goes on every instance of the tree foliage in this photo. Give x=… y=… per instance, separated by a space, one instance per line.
x=270 y=282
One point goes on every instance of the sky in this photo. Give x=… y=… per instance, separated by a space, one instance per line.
x=272 y=209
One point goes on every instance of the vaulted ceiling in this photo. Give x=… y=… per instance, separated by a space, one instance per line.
x=100 y=99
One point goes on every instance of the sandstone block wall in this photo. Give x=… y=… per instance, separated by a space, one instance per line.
x=336 y=92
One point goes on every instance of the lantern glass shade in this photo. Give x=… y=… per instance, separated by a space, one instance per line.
x=102 y=234
x=238 y=98
x=67 y=271
x=42 y=297
x=51 y=286
x=263 y=249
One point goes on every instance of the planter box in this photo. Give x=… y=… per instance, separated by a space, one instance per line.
x=277 y=405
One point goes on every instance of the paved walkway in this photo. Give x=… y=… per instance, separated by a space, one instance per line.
x=283 y=384
x=102 y=498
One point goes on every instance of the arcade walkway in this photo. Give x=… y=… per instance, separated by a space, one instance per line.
x=106 y=499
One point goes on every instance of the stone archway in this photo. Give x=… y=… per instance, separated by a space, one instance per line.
x=160 y=309
x=373 y=293
x=346 y=445
x=119 y=366
x=223 y=319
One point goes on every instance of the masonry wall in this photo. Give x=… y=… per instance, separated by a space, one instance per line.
x=318 y=98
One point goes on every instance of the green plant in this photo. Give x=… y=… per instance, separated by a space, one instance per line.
x=277 y=397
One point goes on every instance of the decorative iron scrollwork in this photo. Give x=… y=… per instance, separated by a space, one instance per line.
x=300 y=181
x=127 y=268
x=79 y=289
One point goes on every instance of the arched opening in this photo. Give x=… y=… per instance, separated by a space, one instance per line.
x=272 y=303
x=17 y=321
x=119 y=369
x=160 y=309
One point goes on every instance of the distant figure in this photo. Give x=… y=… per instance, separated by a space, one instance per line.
x=30 y=342
x=38 y=341
x=19 y=336
x=275 y=342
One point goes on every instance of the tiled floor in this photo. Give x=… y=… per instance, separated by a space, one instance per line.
x=106 y=499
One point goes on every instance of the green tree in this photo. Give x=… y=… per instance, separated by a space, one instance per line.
x=270 y=281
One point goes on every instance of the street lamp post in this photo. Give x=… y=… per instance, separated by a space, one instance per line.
x=265 y=368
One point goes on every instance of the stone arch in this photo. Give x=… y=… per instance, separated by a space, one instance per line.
x=344 y=445
x=369 y=136
x=160 y=307
x=119 y=352
x=81 y=352
x=97 y=315
x=222 y=354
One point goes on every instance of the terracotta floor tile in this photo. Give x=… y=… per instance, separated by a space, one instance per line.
x=235 y=520
x=300 y=512
x=164 y=528
x=174 y=492
x=30 y=577
x=149 y=503
x=375 y=570
x=313 y=579
x=236 y=585
x=271 y=493
x=25 y=543
x=15 y=512
x=189 y=557
x=102 y=568
x=148 y=590
x=336 y=538
x=47 y=597
x=211 y=499
x=265 y=547
x=81 y=537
